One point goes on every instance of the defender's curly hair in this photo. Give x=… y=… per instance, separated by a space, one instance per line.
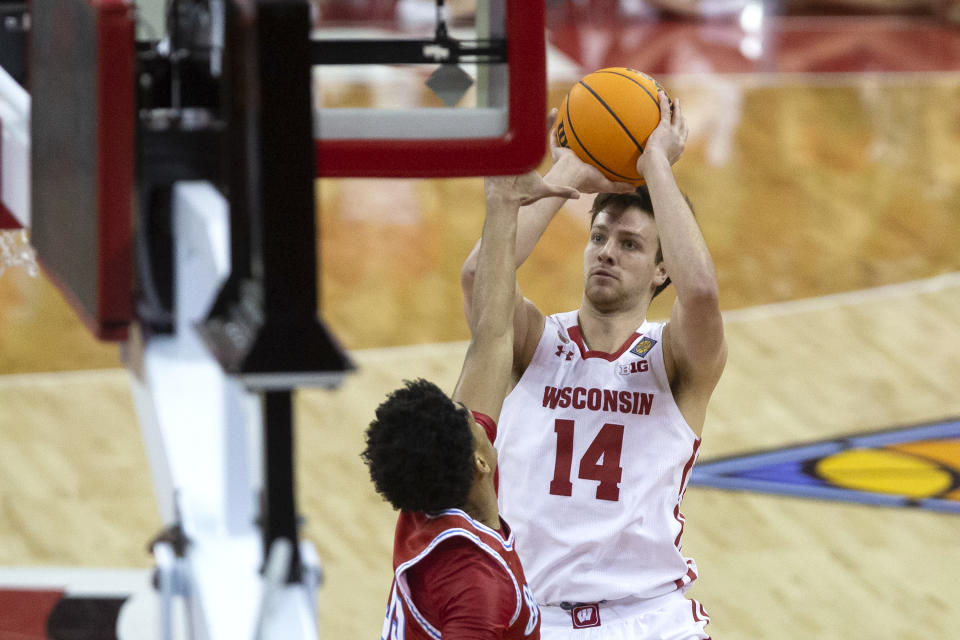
x=640 y=199
x=420 y=449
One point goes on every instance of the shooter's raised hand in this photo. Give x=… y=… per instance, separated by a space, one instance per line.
x=669 y=138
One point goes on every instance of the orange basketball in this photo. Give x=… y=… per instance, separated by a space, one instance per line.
x=606 y=119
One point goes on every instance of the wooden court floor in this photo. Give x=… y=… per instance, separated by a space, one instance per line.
x=832 y=208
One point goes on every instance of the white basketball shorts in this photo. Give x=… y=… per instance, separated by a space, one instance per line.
x=669 y=617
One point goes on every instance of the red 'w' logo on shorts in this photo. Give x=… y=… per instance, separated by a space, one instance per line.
x=587 y=615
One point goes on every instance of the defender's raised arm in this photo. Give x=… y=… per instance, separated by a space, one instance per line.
x=486 y=375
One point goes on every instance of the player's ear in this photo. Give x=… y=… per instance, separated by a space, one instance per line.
x=660 y=275
x=480 y=465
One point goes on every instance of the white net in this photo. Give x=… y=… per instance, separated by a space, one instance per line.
x=16 y=251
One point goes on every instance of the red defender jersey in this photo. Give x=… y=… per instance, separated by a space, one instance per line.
x=453 y=570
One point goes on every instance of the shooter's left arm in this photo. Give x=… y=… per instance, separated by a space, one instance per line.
x=696 y=344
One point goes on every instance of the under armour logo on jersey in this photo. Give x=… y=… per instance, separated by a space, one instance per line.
x=560 y=352
x=585 y=615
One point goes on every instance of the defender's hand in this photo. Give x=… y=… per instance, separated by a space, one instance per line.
x=524 y=189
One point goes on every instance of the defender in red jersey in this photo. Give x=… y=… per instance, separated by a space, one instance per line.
x=602 y=428
x=456 y=572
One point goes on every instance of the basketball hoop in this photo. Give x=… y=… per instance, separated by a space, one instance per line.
x=16 y=251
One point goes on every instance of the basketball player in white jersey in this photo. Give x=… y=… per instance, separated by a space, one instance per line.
x=597 y=439
x=456 y=571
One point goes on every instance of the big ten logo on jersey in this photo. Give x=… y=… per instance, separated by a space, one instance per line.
x=637 y=366
x=394 y=624
x=534 y=611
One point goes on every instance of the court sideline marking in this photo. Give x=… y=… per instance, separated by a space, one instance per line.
x=857 y=297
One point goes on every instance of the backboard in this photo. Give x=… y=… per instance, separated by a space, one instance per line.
x=81 y=77
x=499 y=126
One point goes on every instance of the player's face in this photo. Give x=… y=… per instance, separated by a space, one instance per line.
x=619 y=263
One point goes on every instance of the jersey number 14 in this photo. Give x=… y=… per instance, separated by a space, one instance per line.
x=600 y=462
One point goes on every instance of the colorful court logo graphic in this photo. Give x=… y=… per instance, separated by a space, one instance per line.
x=909 y=467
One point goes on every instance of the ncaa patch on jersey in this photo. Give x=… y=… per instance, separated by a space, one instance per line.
x=644 y=346
x=585 y=616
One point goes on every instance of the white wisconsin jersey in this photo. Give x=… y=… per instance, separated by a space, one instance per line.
x=594 y=457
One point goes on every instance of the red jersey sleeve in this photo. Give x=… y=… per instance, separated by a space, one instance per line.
x=463 y=591
x=490 y=427
x=487 y=423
